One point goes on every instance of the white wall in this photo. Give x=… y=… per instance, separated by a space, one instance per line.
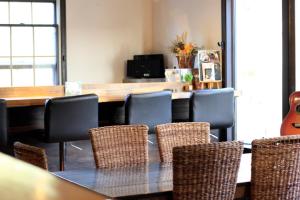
x=200 y=18
x=103 y=34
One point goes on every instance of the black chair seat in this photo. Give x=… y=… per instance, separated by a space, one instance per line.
x=149 y=108
x=69 y=119
x=215 y=106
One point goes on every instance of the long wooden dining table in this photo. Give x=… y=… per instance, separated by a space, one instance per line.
x=144 y=182
x=114 y=92
x=20 y=180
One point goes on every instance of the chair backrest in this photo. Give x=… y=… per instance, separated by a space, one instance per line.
x=33 y=155
x=70 y=118
x=119 y=146
x=206 y=171
x=3 y=124
x=180 y=134
x=275 y=168
x=149 y=108
x=215 y=106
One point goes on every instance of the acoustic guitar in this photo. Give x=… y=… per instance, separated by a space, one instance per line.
x=291 y=122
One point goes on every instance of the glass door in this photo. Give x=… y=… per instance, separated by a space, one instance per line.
x=258 y=68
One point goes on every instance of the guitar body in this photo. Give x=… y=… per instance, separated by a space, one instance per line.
x=291 y=122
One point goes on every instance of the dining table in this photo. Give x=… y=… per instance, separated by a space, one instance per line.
x=150 y=181
x=21 y=180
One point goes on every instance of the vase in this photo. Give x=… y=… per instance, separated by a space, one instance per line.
x=187 y=87
x=186 y=61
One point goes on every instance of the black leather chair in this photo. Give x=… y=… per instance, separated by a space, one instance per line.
x=149 y=108
x=215 y=106
x=3 y=126
x=69 y=119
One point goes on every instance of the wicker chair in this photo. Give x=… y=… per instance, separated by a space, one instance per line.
x=119 y=146
x=206 y=171
x=180 y=134
x=33 y=155
x=275 y=168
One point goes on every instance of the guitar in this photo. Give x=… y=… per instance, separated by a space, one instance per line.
x=291 y=123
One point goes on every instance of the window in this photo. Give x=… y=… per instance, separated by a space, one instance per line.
x=28 y=38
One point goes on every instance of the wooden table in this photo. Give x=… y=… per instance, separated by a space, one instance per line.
x=19 y=180
x=153 y=180
x=40 y=100
x=114 y=92
x=36 y=96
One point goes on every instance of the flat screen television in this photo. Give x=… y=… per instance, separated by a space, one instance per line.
x=146 y=66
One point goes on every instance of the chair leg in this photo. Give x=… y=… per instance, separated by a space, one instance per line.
x=223 y=135
x=61 y=156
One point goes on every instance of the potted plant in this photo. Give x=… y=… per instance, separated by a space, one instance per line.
x=188 y=78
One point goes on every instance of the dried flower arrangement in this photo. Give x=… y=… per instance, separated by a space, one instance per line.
x=184 y=51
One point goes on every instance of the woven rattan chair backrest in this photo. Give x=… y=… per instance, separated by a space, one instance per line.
x=206 y=171
x=120 y=146
x=30 y=154
x=275 y=170
x=180 y=134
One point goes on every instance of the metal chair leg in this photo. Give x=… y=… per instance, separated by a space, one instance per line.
x=61 y=156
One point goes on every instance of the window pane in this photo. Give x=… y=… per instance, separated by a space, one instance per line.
x=22 y=62
x=45 y=62
x=4 y=13
x=5 y=77
x=4 y=41
x=45 y=71
x=43 y=13
x=22 y=77
x=45 y=41
x=20 y=12
x=44 y=76
x=22 y=42
x=258 y=68
x=5 y=61
x=22 y=71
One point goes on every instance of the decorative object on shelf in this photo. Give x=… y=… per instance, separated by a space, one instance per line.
x=172 y=75
x=197 y=85
x=188 y=78
x=208 y=71
x=185 y=52
x=210 y=67
x=73 y=88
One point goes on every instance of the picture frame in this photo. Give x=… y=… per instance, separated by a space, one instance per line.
x=208 y=71
x=206 y=60
x=218 y=71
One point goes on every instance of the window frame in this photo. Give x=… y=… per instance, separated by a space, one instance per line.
x=60 y=71
x=288 y=43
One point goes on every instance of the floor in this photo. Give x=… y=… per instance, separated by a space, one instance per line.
x=79 y=154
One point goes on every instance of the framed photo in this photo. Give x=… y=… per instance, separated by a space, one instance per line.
x=210 y=65
x=218 y=72
x=208 y=71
